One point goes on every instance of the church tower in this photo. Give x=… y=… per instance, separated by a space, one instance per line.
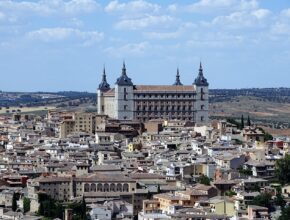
x=201 y=105
x=103 y=87
x=124 y=96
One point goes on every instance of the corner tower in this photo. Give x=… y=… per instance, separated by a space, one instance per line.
x=124 y=96
x=201 y=104
x=103 y=87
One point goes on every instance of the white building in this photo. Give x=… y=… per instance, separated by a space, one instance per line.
x=127 y=101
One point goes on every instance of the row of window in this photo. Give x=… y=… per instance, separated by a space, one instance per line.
x=164 y=102
x=166 y=108
x=171 y=117
x=173 y=96
x=106 y=187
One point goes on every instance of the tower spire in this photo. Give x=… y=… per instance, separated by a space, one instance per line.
x=124 y=69
x=177 y=79
x=124 y=80
x=104 y=74
x=104 y=85
x=200 y=80
x=200 y=69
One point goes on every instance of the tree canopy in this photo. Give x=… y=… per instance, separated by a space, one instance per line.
x=283 y=170
x=14 y=202
x=203 y=179
x=264 y=199
x=26 y=204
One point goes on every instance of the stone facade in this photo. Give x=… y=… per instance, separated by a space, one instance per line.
x=66 y=188
x=127 y=101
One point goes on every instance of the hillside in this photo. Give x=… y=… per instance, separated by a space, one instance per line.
x=269 y=106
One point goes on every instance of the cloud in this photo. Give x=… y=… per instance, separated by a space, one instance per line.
x=78 y=6
x=172 y=7
x=2 y=16
x=162 y=35
x=215 y=6
x=207 y=5
x=48 y=7
x=60 y=34
x=132 y=6
x=286 y=13
x=144 y=22
x=242 y=19
x=215 y=40
x=280 y=28
x=261 y=13
x=128 y=49
x=184 y=28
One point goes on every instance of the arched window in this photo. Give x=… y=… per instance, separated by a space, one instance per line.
x=100 y=187
x=202 y=107
x=125 y=187
x=112 y=187
x=87 y=187
x=106 y=187
x=119 y=187
x=93 y=187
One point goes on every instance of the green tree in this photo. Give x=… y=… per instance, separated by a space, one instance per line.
x=230 y=193
x=242 y=122
x=84 y=209
x=285 y=214
x=14 y=202
x=203 y=179
x=256 y=188
x=264 y=199
x=26 y=204
x=279 y=200
x=247 y=172
x=268 y=137
x=234 y=122
x=48 y=207
x=282 y=170
x=249 y=121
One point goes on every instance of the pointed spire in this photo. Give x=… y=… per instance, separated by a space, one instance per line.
x=177 y=80
x=104 y=85
x=200 y=79
x=124 y=80
x=200 y=69
x=104 y=74
x=124 y=69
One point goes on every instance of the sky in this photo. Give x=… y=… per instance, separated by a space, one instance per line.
x=63 y=45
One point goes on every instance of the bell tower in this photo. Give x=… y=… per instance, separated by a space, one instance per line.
x=201 y=105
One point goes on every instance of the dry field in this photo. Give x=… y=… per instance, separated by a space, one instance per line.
x=25 y=109
x=255 y=107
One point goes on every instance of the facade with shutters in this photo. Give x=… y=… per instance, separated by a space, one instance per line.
x=127 y=101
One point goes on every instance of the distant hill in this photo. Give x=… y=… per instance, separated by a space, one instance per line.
x=30 y=99
x=268 y=106
x=279 y=95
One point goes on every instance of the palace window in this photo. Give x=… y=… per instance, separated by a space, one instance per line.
x=125 y=94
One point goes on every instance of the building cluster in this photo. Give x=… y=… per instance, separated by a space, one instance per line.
x=127 y=169
x=148 y=153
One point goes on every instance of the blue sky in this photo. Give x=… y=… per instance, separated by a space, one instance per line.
x=57 y=45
